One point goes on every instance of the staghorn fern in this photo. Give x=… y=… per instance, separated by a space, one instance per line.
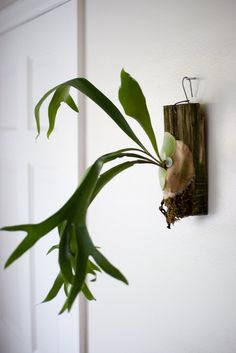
x=77 y=255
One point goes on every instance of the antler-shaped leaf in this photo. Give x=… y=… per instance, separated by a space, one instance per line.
x=134 y=103
x=83 y=85
x=76 y=246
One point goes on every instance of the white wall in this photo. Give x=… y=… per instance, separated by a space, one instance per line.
x=182 y=292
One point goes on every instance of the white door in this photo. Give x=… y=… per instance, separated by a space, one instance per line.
x=38 y=46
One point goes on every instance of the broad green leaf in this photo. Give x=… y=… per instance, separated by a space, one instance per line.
x=84 y=246
x=162 y=177
x=88 y=185
x=66 y=291
x=94 y=94
x=36 y=231
x=93 y=267
x=87 y=293
x=101 y=100
x=168 y=146
x=111 y=173
x=64 y=308
x=73 y=242
x=107 y=267
x=61 y=95
x=38 y=106
x=61 y=227
x=77 y=204
x=134 y=103
x=55 y=288
x=108 y=175
x=76 y=246
x=70 y=102
x=65 y=255
x=58 y=97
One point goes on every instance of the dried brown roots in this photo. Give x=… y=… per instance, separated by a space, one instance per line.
x=178 y=206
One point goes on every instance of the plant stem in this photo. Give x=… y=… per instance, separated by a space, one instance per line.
x=159 y=163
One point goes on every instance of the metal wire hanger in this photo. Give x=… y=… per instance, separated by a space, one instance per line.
x=189 y=79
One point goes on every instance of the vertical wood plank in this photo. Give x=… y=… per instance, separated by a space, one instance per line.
x=187 y=123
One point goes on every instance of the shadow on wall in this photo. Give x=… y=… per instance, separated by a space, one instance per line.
x=214 y=125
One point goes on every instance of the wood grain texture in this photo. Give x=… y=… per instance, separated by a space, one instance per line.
x=187 y=123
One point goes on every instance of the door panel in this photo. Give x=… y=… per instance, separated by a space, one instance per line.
x=14 y=297
x=36 y=178
x=11 y=74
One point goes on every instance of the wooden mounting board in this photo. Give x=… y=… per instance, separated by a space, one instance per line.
x=187 y=123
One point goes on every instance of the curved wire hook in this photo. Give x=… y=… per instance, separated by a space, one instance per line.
x=189 y=79
x=190 y=84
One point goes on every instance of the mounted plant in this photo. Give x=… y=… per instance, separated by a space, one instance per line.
x=78 y=257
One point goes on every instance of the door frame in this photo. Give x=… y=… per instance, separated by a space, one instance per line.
x=21 y=12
